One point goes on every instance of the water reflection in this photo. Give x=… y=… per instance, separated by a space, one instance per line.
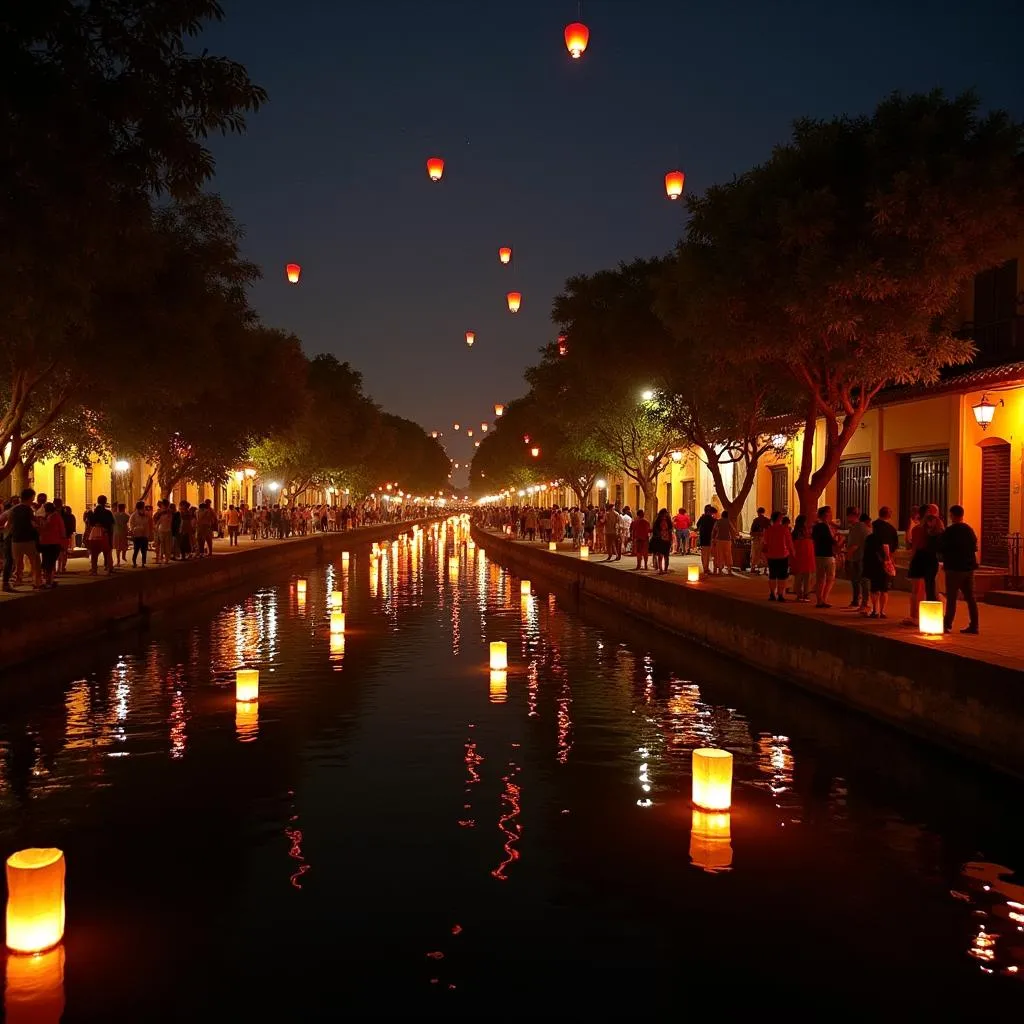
x=426 y=796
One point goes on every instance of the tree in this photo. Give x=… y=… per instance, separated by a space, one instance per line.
x=406 y=455
x=858 y=236
x=616 y=343
x=329 y=438
x=718 y=395
x=503 y=459
x=103 y=108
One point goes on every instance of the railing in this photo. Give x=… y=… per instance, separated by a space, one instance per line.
x=1013 y=543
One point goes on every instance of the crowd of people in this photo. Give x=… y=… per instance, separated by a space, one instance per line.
x=39 y=535
x=798 y=557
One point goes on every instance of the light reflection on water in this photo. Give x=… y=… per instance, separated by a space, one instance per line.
x=388 y=785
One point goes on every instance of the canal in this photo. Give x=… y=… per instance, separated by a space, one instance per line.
x=392 y=829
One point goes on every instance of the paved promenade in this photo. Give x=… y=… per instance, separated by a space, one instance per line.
x=77 y=574
x=1000 y=642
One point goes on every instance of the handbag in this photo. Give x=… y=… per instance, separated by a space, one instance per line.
x=97 y=533
x=890 y=567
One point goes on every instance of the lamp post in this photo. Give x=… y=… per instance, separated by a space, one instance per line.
x=984 y=411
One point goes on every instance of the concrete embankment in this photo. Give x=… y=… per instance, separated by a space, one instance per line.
x=38 y=624
x=971 y=706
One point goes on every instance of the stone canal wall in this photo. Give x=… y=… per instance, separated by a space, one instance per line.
x=972 y=707
x=37 y=624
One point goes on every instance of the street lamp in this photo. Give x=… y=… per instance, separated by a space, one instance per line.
x=984 y=411
x=647 y=394
x=601 y=484
x=122 y=465
x=274 y=485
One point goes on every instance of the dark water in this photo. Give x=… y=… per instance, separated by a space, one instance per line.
x=393 y=834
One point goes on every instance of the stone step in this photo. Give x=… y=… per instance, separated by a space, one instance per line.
x=1005 y=598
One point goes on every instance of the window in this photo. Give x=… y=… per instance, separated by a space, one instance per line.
x=618 y=493
x=60 y=481
x=924 y=479
x=88 y=486
x=689 y=498
x=668 y=498
x=854 y=487
x=780 y=489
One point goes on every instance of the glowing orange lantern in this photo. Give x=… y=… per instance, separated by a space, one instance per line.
x=526 y=438
x=499 y=656
x=470 y=338
x=35 y=899
x=499 y=410
x=674 y=181
x=504 y=254
x=247 y=685
x=455 y=426
x=577 y=35
x=433 y=434
x=292 y=272
x=535 y=452
x=484 y=428
x=712 y=779
x=514 y=301
x=435 y=168
x=563 y=344
x=469 y=433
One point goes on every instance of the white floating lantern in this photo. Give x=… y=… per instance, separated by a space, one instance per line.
x=247 y=684
x=499 y=686
x=499 y=656
x=584 y=551
x=344 y=558
x=930 y=618
x=524 y=588
x=337 y=599
x=711 y=841
x=693 y=573
x=337 y=622
x=712 y=779
x=35 y=899
x=300 y=587
x=552 y=546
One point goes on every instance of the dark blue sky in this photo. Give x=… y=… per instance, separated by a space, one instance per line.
x=563 y=160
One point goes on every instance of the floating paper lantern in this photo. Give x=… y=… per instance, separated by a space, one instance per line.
x=499 y=410
x=514 y=300
x=505 y=254
x=337 y=599
x=300 y=587
x=499 y=686
x=247 y=720
x=535 y=452
x=584 y=551
x=344 y=558
x=484 y=428
x=435 y=168
x=455 y=426
x=712 y=779
x=35 y=899
x=470 y=338
x=293 y=271
x=711 y=841
x=524 y=588
x=499 y=656
x=674 y=184
x=563 y=344
x=693 y=573
x=247 y=684
x=577 y=35
x=552 y=546
x=337 y=622
x=930 y=618
x=34 y=993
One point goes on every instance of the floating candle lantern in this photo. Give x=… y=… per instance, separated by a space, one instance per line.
x=552 y=545
x=337 y=622
x=499 y=656
x=524 y=587
x=247 y=684
x=712 y=779
x=35 y=899
x=337 y=599
x=930 y=618
x=584 y=551
x=300 y=587
x=693 y=573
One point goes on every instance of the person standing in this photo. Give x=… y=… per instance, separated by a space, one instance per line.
x=824 y=536
x=705 y=537
x=757 y=528
x=234 y=520
x=120 y=539
x=802 y=562
x=100 y=535
x=879 y=568
x=723 y=535
x=959 y=548
x=778 y=550
x=611 y=533
x=859 y=532
x=681 y=525
x=640 y=534
x=140 y=526
x=51 y=542
x=23 y=537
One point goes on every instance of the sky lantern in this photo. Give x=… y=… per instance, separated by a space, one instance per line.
x=435 y=168
x=433 y=434
x=499 y=410
x=674 y=181
x=455 y=426
x=526 y=438
x=505 y=254
x=484 y=428
x=292 y=272
x=514 y=301
x=469 y=433
x=470 y=338
x=563 y=344
x=577 y=35
x=535 y=452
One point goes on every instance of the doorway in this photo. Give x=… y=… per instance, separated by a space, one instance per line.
x=995 y=504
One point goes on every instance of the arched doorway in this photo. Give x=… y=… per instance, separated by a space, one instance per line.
x=995 y=502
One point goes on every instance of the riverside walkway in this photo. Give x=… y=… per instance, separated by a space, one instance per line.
x=1000 y=642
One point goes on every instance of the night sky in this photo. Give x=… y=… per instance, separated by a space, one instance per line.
x=563 y=160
